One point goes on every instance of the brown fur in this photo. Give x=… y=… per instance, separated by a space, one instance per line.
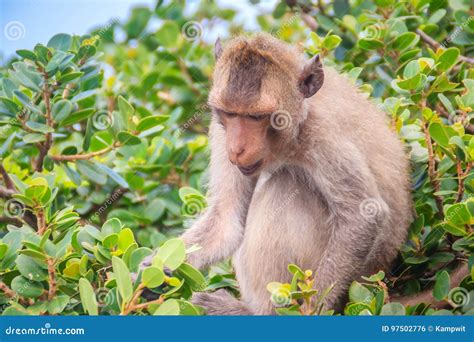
x=305 y=205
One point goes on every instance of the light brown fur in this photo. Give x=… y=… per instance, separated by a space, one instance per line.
x=306 y=206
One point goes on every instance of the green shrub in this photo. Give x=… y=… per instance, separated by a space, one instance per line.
x=103 y=153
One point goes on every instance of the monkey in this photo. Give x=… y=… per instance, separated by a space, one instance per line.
x=304 y=169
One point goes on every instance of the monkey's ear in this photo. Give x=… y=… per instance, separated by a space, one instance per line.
x=217 y=49
x=312 y=77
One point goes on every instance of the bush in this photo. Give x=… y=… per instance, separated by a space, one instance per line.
x=103 y=153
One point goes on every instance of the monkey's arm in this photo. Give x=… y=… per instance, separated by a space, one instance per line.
x=219 y=230
x=356 y=212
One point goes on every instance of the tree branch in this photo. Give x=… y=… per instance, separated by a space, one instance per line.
x=6 y=193
x=427 y=296
x=52 y=279
x=7 y=291
x=434 y=44
x=309 y=21
x=85 y=156
x=11 y=220
x=45 y=146
x=6 y=178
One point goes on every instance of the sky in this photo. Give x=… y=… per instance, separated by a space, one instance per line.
x=24 y=23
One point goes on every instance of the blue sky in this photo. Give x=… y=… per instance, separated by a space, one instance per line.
x=23 y=23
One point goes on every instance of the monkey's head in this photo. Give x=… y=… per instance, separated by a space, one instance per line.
x=260 y=85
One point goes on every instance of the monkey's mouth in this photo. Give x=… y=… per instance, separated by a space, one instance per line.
x=248 y=170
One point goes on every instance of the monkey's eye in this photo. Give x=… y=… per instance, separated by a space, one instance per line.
x=256 y=117
x=230 y=115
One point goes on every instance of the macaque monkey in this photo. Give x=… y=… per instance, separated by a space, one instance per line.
x=303 y=169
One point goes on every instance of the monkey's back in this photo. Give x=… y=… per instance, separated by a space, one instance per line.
x=352 y=116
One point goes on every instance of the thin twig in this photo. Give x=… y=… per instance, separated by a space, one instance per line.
x=461 y=176
x=85 y=156
x=309 y=21
x=434 y=44
x=432 y=170
x=67 y=90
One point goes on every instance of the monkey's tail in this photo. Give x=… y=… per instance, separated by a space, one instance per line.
x=426 y=296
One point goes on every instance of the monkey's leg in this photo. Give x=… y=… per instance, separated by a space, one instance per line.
x=220 y=303
x=353 y=231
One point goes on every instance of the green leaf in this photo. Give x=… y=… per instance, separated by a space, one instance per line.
x=416 y=260
x=295 y=270
x=8 y=87
x=280 y=10
x=441 y=287
x=393 y=309
x=114 y=175
x=125 y=239
x=58 y=304
x=61 y=41
x=39 y=127
x=193 y=277
x=405 y=40
x=61 y=110
x=125 y=108
x=448 y=58
x=88 y=299
x=168 y=34
x=112 y=226
x=380 y=275
x=331 y=42
x=458 y=214
x=127 y=138
x=151 y=121
x=172 y=253
x=110 y=241
x=153 y=277
x=123 y=279
x=168 y=308
x=77 y=117
x=359 y=293
x=70 y=77
x=27 y=288
x=91 y=171
x=31 y=268
x=441 y=134
x=26 y=54
x=370 y=44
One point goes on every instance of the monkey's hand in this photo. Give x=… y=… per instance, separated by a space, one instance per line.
x=216 y=237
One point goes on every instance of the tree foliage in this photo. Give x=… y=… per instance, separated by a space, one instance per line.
x=103 y=152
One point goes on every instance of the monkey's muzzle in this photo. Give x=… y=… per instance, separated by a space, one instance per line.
x=249 y=170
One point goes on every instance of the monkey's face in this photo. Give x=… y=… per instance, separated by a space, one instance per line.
x=257 y=95
x=246 y=140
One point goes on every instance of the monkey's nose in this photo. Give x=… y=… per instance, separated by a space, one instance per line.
x=235 y=153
